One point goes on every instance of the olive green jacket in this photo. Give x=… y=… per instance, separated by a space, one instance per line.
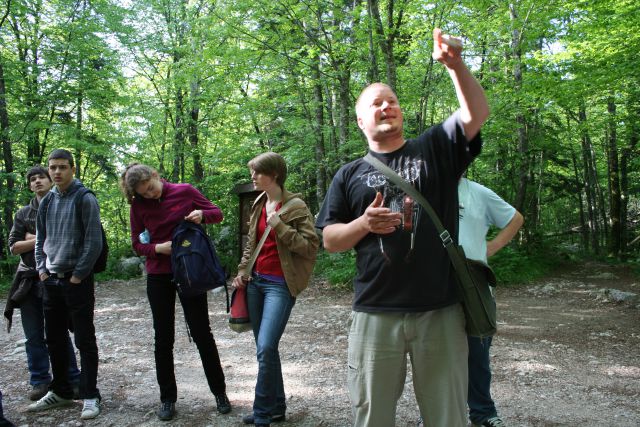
x=296 y=240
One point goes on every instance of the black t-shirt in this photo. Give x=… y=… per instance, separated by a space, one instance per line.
x=409 y=269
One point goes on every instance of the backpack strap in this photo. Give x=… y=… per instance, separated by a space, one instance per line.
x=44 y=205
x=78 y=203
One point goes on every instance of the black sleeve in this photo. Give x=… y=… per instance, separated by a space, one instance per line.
x=19 y=228
x=463 y=151
x=335 y=208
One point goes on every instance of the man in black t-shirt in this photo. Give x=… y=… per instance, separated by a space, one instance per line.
x=405 y=298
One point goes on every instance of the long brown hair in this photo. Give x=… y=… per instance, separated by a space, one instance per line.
x=133 y=175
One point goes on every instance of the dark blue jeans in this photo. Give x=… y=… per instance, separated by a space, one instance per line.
x=64 y=301
x=32 y=316
x=270 y=305
x=481 y=406
x=162 y=298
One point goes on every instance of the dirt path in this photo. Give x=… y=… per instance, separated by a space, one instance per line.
x=565 y=355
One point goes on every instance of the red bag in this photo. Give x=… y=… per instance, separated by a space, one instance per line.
x=239 y=313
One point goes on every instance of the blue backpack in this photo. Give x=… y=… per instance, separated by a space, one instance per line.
x=195 y=265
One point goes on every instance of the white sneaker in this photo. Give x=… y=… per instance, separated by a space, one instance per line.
x=90 y=409
x=50 y=400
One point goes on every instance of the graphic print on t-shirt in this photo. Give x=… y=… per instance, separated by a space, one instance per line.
x=393 y=197
x=396 y=200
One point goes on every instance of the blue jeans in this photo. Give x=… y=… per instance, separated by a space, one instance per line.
x=63 y=301
x=270 y=305
x=481 y=406
x=32 y=316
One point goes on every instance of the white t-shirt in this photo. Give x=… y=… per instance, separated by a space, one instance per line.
x=479 y=208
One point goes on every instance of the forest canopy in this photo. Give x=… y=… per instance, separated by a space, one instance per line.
x=196 y=88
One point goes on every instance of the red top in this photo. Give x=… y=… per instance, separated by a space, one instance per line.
x=161 y=216
x=268 y=261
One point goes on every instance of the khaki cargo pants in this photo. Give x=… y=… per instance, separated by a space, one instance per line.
x=436 y=343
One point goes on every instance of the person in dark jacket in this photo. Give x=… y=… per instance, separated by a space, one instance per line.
x=68 y=243
x=26 y=291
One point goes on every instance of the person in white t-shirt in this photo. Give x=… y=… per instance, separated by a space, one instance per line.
x=479 y=209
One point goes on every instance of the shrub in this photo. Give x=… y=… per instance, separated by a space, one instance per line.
x=515 y=265
x=338 y=269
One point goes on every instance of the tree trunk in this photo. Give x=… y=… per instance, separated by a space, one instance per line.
x=604 y=223
x=178 y=141
x=329 y=106
x=624 y=190
x=321 y=173
x=614 y=182
x=584 y=232
x=7 y=156
x=198 y=170
x=78 y=153
x=425 y=89
x=372 y=70
x=387 y=40
x=522 y=143
x=589 y=180
x=625 y=159
x=344 y=98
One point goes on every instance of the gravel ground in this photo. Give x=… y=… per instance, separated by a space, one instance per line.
x=566 y=354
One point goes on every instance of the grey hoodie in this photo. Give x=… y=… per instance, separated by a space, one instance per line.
x=61 y=246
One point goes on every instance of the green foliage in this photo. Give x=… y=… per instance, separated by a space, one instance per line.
x=7 y=270
x=339 y=269
x=635 y=266
x=184 y=85
x=512 y=265
x=516 y=266
x=114 y=270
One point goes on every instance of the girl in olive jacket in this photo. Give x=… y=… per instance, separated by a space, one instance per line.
x=281 y=271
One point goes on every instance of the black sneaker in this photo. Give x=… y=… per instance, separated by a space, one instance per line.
x=250 y=419
x=491 y=422
x=167 y=411
x=5 y=422
x=222 y=402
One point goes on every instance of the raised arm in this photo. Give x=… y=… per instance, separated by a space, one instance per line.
x=474 y=108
